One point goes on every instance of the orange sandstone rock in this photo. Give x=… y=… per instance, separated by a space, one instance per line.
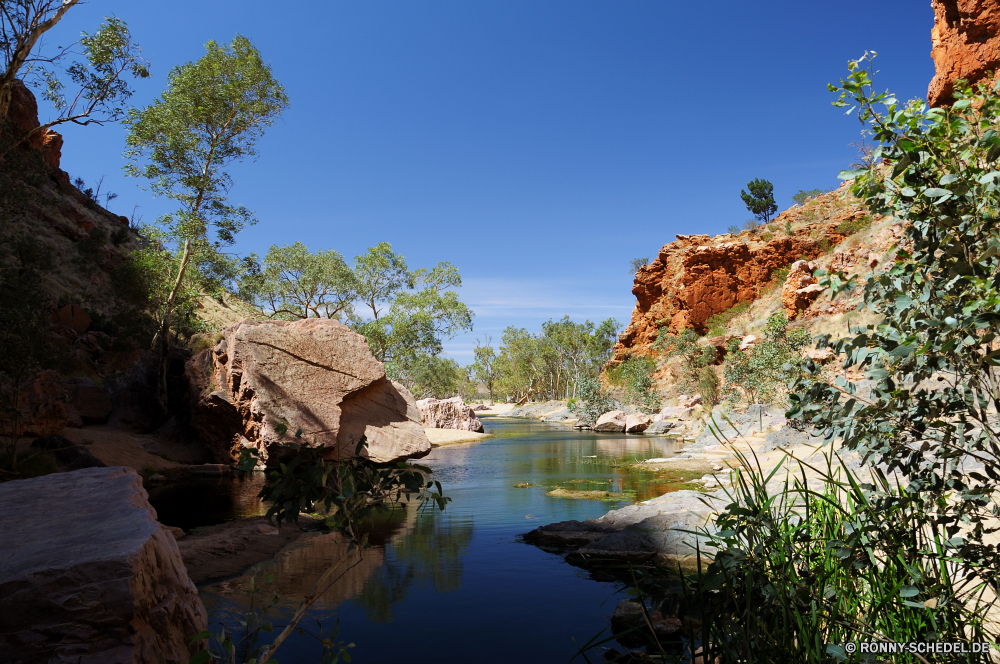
x=965 y=45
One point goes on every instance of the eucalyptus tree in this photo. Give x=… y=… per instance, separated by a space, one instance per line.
x=411 y=312
x=98 y=88
x=295 y=283
x=486 y=368
x=928 y=410
x=210 y=116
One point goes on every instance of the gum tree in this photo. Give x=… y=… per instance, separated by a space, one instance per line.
x=927 y=411
x=210 y=116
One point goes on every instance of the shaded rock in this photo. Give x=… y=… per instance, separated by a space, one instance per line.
x=786 y=437
x=69 y=455
x=451 y=413
x=71 y=316
x=90 y=399
x=562 y=415
x=659 y=428
x=135 y=393
x=638 y=533
x=637 y=423
x=315 y=377
x=613 y=421
x=45 y=410
x=97 y=580
x=966 y=44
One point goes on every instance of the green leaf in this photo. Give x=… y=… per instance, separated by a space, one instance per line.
x=201 y=657
x=205 y=634
x=909 y=591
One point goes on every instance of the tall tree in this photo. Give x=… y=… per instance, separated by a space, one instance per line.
x=760 y=199
x=99 y=90
x=211 y=115
x=486 y=367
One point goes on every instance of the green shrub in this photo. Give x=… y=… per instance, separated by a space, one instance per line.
x=634 y=377
x=695 y=360
x=592 y=400
x=766 y=236
x=802 y=195
x=733 y=230
x=717 y=325
x=759 y=376
x=788 y=228
x=852 y=226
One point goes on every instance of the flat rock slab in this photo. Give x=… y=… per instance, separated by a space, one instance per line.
x=650 y=530
x=88 y=575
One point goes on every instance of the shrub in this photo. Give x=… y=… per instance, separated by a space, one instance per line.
x=766 y=236
x=852 y=226
x=717 y=324
x=751 y=225
x=695 y=360
x=592 y=400
x=802 y=196
x=637 y=264
x=788 y=228
x=634 y=377
x=759 y=375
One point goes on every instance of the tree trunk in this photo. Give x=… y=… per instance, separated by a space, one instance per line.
x=163 y=335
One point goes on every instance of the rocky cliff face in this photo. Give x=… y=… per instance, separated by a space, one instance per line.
x=264 y=381
x=966 y=44
x=697 y=276
x=110 y=587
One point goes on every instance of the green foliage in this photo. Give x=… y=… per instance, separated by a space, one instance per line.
x=552 y=363
x=430 y=376
x=486 y=368
x=932 y=359
x=760 y=199
x=733 y=230
x=759 y=375
x=805 y=570
x=638 y=263
x=802 y=195
x=210 y=116
x=411 y=311
x=766 y=236
x=717 y=324
x=634 y=377
x=294 y=283
x=592 y=400
x=751 y=225
x=695 y=360
x=852 y=226
x=788 y=228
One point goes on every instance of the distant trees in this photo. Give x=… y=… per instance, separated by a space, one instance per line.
x=486 y=367
x=760 y=199
x=802 y=195
x=553 y=363
x=294 y=283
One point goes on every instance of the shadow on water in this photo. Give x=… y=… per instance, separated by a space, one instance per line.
x=459 y=583
x=207 y=501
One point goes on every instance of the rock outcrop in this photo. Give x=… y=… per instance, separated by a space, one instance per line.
x=800 y=288
x=613 y=421
x=697 y=276
x=450 y=413
x=96 y=580
x=23 y=115
x=44 y=407
x=266 y=381
x=966 y=44
x=637 y=423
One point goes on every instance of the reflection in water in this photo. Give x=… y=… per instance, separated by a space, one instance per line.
x=459 y=582
x=428 y=553
x=206 y=501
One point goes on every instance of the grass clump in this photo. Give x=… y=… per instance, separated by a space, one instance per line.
x=717 y=325
x=852 y=226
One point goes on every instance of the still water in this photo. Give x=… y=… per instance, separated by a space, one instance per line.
x=456 y=586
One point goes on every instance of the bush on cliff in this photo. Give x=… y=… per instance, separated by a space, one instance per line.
x=760 y=374
x=696 y=374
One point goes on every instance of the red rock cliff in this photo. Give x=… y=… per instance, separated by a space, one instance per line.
x=965 y=44
x=697 y=276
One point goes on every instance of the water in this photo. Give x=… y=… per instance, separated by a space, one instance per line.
x=457 y=586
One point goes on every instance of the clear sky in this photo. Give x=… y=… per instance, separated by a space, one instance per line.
x=538 y=145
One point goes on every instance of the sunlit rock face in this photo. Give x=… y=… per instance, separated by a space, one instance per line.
x=311 y=381
x=89 y=575
x=451 y=413
x=965 y=45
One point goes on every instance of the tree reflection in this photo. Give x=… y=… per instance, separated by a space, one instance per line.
x=429 y=553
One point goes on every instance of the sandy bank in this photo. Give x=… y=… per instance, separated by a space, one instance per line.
x=442 y=437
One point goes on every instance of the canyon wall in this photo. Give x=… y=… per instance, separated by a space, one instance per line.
x=965 y=45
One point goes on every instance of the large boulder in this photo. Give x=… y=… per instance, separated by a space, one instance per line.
x=96 y=580
x=90 y=399
x=637 y=423
x=312 y=381
x=613 y=421
x=450 y=413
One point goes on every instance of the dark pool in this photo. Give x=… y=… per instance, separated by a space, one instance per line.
x=457 y=586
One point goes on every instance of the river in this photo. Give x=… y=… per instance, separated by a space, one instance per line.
x=458 y=585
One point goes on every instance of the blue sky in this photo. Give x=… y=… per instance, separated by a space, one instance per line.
x=539 y=146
